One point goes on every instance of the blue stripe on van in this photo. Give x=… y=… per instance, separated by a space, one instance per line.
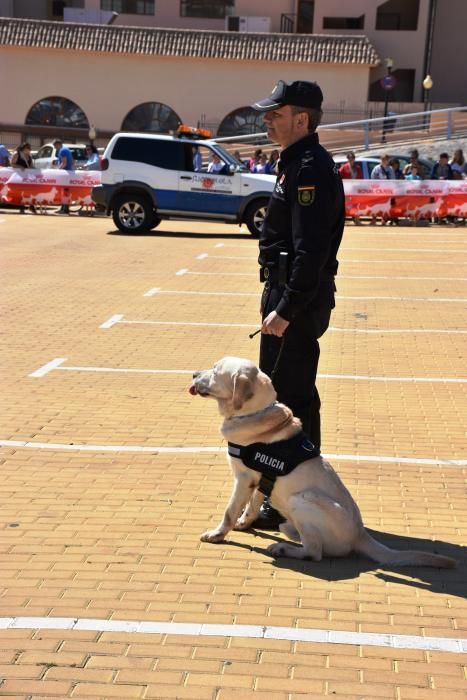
x=202 y=202
x=166 y=199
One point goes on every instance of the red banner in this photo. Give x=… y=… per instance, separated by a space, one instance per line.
x=47 y=187
x=381 y=198
x=413 y=198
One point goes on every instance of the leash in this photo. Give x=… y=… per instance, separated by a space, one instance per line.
x=279 y=354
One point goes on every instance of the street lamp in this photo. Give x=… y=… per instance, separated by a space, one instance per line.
x=427 y=85
x=387 y=83
x=92 y=133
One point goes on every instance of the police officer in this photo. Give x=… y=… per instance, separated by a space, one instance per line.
x=298 y=245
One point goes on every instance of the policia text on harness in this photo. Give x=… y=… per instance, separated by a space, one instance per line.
x=274 y=459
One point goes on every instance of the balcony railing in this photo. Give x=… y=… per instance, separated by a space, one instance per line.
x=288 y=24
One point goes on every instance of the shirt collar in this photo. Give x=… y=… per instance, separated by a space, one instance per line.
x=296 y=149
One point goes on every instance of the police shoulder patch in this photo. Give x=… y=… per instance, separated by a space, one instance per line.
x=306 y=194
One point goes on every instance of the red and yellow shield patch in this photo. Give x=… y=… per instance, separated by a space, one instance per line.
x=306 y=195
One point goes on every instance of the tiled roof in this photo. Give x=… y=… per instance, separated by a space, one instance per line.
x=302 y=48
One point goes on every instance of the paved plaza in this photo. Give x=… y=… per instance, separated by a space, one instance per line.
x=110 y=470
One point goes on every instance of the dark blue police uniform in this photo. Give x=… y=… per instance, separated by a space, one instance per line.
x=305 y=219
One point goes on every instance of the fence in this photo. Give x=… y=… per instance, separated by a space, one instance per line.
x=364 y=134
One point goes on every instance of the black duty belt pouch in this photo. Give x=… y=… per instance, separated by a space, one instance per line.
x=274 y=459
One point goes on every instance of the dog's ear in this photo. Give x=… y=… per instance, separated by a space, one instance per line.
x=242 y=390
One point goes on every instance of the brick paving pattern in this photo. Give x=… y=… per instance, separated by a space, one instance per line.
x=115 y=535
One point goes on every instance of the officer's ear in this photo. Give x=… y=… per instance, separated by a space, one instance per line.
x=242 y=389
x=302 y=119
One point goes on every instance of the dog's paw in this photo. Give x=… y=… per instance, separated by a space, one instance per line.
x=278 y=549
x=283 y=549
x=212 y=536
x=243 y=523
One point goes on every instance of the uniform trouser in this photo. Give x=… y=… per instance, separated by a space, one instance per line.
x=292 y=361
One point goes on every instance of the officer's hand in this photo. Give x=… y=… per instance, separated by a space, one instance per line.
x=274 y=324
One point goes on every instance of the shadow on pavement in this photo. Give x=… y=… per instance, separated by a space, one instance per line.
x=447 y=581
x=182 y=234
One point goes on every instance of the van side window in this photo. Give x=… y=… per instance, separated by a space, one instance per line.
x=163 y=154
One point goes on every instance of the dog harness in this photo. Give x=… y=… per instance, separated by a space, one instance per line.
x=275 y=458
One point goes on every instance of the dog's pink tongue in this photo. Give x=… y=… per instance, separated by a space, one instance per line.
x=192 y=390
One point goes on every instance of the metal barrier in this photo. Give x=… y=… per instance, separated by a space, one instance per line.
x=394 y=129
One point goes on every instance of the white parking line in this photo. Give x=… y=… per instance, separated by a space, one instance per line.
x=203 y=256
x=375 y=298
x=196 y=449
x=394 y=330
x=420 y=261
x=45 y=369
x=362 y=377
x=377 y=249
x=394 y=277
x=119 y=318
x=411 y=233
x=116 y=318
x=158 y=290
x=58 y=365
x=314 y=636
x=254 y=259
x=222 y=274
x=186 y=271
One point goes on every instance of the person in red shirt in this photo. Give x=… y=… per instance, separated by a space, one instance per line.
x=351 y=171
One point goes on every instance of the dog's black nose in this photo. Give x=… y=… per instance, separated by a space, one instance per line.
x=196 y=374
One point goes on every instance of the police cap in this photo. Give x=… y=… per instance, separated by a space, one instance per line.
x=299 y=93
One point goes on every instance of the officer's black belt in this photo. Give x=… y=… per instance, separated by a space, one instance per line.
x=274 y=459
x=269 y=274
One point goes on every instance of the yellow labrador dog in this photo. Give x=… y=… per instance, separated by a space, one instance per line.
x=321 y=514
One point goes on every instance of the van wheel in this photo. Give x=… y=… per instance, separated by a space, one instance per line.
x=155 y=221
x=255 y=215
x=132 y=213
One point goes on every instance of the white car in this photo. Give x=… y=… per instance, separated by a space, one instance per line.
x=46 y=155
x=150 y=177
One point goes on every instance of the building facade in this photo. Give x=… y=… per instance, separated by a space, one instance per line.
x=71 y=76
x=420 y=36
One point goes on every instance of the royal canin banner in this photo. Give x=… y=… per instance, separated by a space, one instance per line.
x=47 y=187
x=380 y=198
x=412 y=198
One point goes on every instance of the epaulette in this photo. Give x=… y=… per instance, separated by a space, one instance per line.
x=307 y=158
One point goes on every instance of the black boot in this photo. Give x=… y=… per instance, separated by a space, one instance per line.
x=269 y=518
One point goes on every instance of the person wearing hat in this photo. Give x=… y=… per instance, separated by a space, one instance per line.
x=298 y=245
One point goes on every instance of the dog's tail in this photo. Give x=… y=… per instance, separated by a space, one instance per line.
x=384 y=555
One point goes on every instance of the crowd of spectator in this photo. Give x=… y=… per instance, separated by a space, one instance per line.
x=389 y=168
x=21 y=157
x=260 y=162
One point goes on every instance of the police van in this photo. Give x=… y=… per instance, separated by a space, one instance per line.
x=147 y=178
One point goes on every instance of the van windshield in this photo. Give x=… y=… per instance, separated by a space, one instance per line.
x=230 y=159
